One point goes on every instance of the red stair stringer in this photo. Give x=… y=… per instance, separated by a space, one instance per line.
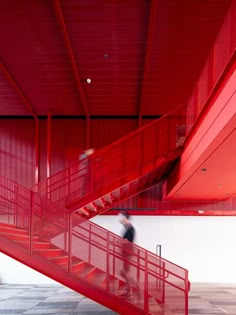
x=77 y=284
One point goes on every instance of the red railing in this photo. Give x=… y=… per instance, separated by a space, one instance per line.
x=113 y=166
x=158 y=280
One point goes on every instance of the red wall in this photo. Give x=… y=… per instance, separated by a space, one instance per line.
x=66 y=141
x=17 y=150
x=218 y=58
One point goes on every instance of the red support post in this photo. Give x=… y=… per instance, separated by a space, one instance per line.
x=186 y=292
x=146 y=284
x=31 y=232
x=49 y=145
x=108 y=262
x=70 y=218
x=36 y=151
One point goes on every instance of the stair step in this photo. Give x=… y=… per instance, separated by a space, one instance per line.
x=12 y=230
x=37 y=245
x=77 y=266
x=8 y=225
x=84 y=270
x=52 y=252
x=18 y=237
x=113 y=284
x=59 y=260
x=96 y=276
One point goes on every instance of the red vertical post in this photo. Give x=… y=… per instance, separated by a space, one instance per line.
x=146 y=284
x=49 y=145
x=70 y=218
x=186 y=292
x=90 y=239
x=31 y=232
x=108 y=262
x=88 y=131
x=36 y=150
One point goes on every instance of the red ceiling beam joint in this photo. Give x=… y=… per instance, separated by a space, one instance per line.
x=74 y=67
x=31 y=110
x=150 y=38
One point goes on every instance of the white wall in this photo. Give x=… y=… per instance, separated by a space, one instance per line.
x=206 y=246
x=11 y=271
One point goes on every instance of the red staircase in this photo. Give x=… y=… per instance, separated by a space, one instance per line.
x=119 y=171
x=86 y=257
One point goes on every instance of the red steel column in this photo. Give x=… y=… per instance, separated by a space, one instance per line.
x=49 y=145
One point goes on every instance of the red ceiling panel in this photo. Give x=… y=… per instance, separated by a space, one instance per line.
x=132 y=54
x=33 y=51
x=109 y=40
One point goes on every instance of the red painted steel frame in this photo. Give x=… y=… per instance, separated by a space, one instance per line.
x=77 y=246
x=74 y=68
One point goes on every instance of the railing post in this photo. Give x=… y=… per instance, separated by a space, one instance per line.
x=90 y=239
x=113 y=256
x=146 y=284
x=186 y=292
x=163 y=283
x=138 y=265
x=31 y=232
x=69 y=241
x=108 y=261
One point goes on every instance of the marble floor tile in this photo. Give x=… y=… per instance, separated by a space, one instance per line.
x=204 y=299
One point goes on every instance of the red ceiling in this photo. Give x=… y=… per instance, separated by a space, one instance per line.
x=143 y=56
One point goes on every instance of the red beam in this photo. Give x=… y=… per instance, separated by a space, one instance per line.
x=74 y=68
x=150 y=38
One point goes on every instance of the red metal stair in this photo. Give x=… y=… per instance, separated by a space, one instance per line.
x=119 y=171
x=86 y=257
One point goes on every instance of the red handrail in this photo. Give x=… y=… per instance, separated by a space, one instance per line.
x=158 y=279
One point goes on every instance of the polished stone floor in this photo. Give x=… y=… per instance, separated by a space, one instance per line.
x=204 y=299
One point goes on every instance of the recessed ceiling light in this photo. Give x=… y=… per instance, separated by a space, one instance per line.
x=88 y=80
x=204 y=169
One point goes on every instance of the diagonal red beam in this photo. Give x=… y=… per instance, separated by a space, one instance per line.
x=148 y=55
x=18 y=90
x=31 y=110
x=74 y=67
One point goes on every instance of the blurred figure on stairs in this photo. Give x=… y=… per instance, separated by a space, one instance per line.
x=127 y=253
